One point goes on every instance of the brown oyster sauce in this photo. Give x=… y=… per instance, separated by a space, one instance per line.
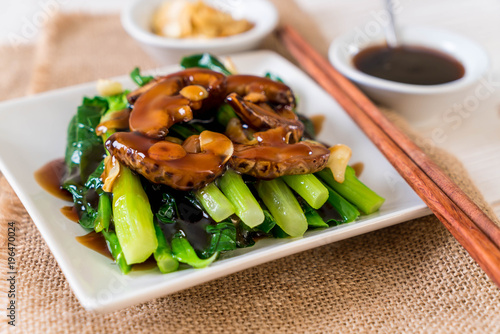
x=97 y=243
x=70 y=213
x=409 y=64
x=49 y=178
x=358 y=168
x=317 y=121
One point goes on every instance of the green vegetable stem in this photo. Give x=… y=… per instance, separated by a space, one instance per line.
x=309 y=188
x=237 y=192
x=163 y=253
x=103 y=217
x=346 y=210
x=312 y=216
x=116 y=251
x=283 y=205
x=353 y=190
x=133 y=218
x=183 y=131
x=214 y=202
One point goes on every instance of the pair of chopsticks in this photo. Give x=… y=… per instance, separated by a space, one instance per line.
x=470 y=226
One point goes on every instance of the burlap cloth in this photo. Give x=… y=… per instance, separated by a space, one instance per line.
x=413 y=277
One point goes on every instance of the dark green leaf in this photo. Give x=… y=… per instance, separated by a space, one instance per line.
x=312 y=216
x=183 y=131
x=88 y=218
x=168 y=211
x=197 y=127
x=84 y=148
x=244 y=236
x=185 y=253
x=309 y=130
x=268 y=223
x=84 y=196
x=191 y=198
x=70 y=140
x=139 y=79
x=273 y=77
x=223 y=238
x=94 y=180
x=225 y=113
x=205 y=60
x=74 y=190
x=279 y=233
x=80 y=197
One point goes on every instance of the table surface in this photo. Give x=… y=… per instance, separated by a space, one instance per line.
x=475 y=141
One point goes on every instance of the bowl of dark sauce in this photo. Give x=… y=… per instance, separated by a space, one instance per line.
x=414 y=65
x=423 y=77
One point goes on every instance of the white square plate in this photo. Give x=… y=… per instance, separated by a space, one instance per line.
x=33 y=132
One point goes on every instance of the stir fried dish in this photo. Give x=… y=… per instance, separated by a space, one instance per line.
x=203 y=161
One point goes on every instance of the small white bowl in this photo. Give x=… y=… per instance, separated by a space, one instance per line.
x=421 y=105
x=136 y=20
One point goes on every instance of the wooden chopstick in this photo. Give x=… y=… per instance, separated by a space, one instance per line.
x=408 y=146
x=467 y=223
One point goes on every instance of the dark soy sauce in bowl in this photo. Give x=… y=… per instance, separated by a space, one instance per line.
x=409 y=64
